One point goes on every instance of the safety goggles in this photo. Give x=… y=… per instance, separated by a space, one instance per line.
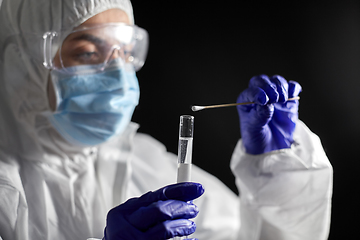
x=95 y=46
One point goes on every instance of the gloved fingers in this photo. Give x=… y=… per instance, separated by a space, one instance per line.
x=263 y=114
x=118 y=217
x=253 y=94
x=170 y=229
x=180 y=191
x=257 y=114
x=264 y=82
x=281 y=87
x=147 y=217
x=294 y=89
x=185 y=191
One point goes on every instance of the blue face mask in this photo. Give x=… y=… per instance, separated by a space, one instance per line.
x=94 y=107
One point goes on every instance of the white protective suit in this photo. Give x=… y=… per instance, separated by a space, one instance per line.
x=52 y=190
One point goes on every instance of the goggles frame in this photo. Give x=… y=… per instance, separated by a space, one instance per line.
x=53 y=42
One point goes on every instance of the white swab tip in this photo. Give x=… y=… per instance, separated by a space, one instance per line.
x=197 y=108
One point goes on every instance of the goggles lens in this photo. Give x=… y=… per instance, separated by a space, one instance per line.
x=100 y=44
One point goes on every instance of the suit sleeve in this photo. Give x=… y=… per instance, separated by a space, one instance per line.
x=285 y=194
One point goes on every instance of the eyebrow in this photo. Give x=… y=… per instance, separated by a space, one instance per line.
x=90 y=38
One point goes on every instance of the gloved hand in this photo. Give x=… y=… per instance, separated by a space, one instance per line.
x=162 y=214
x=268 y=124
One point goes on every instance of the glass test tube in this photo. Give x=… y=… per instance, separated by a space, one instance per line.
x=186 y=130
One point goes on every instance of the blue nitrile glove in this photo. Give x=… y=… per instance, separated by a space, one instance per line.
x=268 y=124
x=162 y=214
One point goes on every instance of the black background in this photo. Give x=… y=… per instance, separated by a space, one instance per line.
x=205 y=52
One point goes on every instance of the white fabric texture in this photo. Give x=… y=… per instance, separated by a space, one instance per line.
x=52 y=190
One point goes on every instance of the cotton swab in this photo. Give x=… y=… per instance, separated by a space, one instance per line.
x=198 y=108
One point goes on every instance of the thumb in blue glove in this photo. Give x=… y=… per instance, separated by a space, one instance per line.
x=162 y=214
x=268 y=124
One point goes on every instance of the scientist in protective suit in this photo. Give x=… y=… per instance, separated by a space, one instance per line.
x=72 y=165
